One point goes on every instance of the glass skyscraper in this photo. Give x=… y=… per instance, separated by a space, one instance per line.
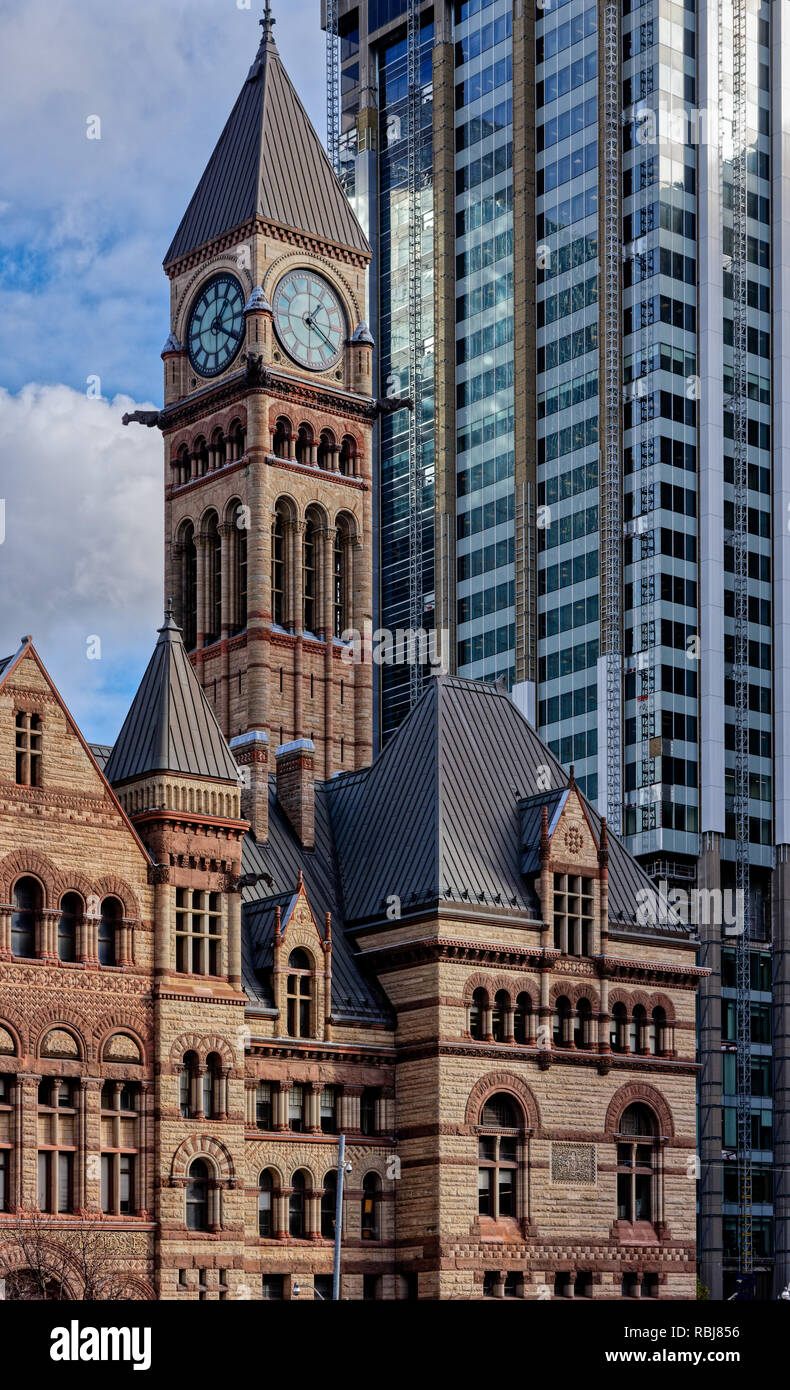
x=606 y=449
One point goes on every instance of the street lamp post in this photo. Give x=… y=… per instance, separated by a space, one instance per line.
x=341 y=1173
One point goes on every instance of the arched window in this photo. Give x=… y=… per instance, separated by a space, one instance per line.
x=239 y=536
x=498 y=1158
x=329 y=1205
x=521 y=1018
x=637 y=1032
x=217 y=452
x=111 y=913
x=189 y=586
x=214 y=576
x=182 y=466
x=27 y=906
x=201 y=457
x=70 y=915
x=371 y=1207
x=309 y=575
x=326 y=449
x=267 y=1187
x=282 y=437
x=237 y=441
x=278 y=568
x=562 y=1022
x=582 y=1032
x=187 y=1085
x=348 y=453
x=304 y=445
x=297 y=1206
x=211 y=1083
x=477 y=1011
x=299 y=994
x=636 y=1148
x=499 y=1016
x=657 y=1033
x=197 y=1196
x=618 y=1028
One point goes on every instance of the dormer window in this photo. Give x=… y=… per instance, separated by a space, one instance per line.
x=573 y=914
x=28 y=749
x=299 y=994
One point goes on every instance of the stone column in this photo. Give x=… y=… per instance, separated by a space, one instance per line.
x=234 y=939
x=710 y=1234
x=164 y=941
x=228 y=546
x=6 y=913
x=314 y=1107
x=326 y=628
x=202 y=547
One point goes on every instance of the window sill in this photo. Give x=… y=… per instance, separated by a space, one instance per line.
x=636 y=1233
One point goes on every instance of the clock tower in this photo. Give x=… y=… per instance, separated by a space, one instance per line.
x=267 y=428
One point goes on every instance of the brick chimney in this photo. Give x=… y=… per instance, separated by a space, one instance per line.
x=296 y=787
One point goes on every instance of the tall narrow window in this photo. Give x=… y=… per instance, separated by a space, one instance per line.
x=371 y=1207
x=241 y=578
x=4 y=1179
x=211 y=1081
x=329 y=1110
x=499 y=1016
x=28 y=750
x=521 y=1018
x=197 y=1196
x=498 y=1158
x=636 y=1140
x=214 y=572
x=367 y=1111
x=189 y=586
x=309 y=576
x=282 y=436
x=340 y=585
x=264 y=1112
x=296 y=1108
x=329 y=1205
x=477 y=1011
x=70 y=914
x=186 y=1085
x=297 y=1206
x=27 y=905
x=109 y=922
x=266 y=1189
x=348 y=451
x=299 y=994
x=278 y=569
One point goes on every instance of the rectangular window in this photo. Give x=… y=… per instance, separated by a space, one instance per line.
x=107 y=1185
x=263 y=1105
x=4 y=1179
x=44 y=1181
x=272 y=1286
x=296 y=1108
x=573 y=914
x=198 y=932
x=329 y=1110
x=28 y=750
x=65 y=1174
x=126 y=1185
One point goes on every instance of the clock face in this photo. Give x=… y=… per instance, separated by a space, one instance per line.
x=309 y=320
x=216 y=325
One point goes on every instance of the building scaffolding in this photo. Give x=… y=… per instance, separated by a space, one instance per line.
x=416 y=345
x=333 y=84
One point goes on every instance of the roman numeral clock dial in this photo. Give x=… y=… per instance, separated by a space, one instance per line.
x=216 y=325
x=309 y=320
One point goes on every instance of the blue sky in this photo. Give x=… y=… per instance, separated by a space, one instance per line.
x=84 y=224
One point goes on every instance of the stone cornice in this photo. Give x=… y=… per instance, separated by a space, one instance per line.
x=549 y=1056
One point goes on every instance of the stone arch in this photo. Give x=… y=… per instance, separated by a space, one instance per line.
x=112 y=887
x=206 y=1147
x=621 y=996
x=285 y=503
x=635 y=1093
x=662 y=1001
x=11 y=1028
x=477 y=982
x=313 y=1169
x=71 y=883
x=346 y=523
x=317 y=513
x=119 y=1027
x=57 y=1031
x=495 y=1081
x=202 y=1045
x=14 y=1260
x=26 y=863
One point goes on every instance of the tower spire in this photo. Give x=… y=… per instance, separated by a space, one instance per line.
x=267 y=24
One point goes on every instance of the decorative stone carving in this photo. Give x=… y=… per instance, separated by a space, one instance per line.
x=574 y=1165
x=58 y=1043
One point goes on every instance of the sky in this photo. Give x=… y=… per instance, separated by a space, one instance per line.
x=84 y=224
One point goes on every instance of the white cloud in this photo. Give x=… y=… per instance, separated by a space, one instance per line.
x=84 y=224
x=83 y=549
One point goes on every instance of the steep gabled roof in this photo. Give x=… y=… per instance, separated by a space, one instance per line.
x=269 y=164
x=8 y=662
x=171 y=726
x=281 y=859
x=449 y=813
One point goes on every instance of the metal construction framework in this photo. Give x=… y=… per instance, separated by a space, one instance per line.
x=738 y=405
x=333 y=84
x=612 y=512
x=416 y=345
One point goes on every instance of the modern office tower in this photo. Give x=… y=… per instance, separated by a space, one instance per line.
x=601 y=455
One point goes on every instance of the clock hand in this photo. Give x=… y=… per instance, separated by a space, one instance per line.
x=311 y=323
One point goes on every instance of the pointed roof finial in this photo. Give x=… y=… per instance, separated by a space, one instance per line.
x=267 y=24
x=572 y=777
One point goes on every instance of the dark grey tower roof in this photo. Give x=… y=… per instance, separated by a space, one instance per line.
x=269 y=164
x=171 y=726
